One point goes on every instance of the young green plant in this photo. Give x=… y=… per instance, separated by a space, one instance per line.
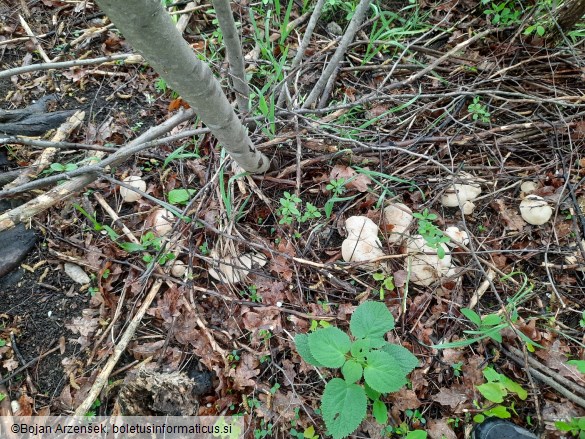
x=370 y=366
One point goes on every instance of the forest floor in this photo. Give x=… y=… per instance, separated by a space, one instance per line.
x=420 y=101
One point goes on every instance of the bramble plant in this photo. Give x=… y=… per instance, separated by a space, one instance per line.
x=371 y=367
x=432 y=235
x=498 y=386
x=478 y=110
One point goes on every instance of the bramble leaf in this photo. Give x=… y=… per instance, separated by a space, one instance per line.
x=380 y=412
x=382 y=373
x=329 y=346
x=343 y=407
x=302 y=344
x=401 y=356
x=371 y=319
x=352 y=371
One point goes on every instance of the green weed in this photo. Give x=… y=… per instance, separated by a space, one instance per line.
x=370 y=367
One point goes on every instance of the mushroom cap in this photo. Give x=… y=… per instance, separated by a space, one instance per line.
x=354 y=250
x=457 y=194
x=400 y=217
x=162 y=221
x=535 y=210
x=468 y=207
x=235 y=269
x=129 y=195
x=528 y=187
x=457 y=235
x=179 y=268
x=361 y=227
x=425 y=268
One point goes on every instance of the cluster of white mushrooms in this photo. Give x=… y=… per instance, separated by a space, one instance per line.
x=422 y=261
x=362 y=243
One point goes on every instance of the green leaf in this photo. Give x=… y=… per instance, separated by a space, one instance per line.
x=493 y=392
x=329 y=346
x=580 y=364
x=131 y=247
x=371 y=393
x=380 y=412
x=180 y=196
x=514 y=387
x=362 y=346
x=498 y=411
x=352 y=371
x=491 y=320
x=371 y=319
x=382 y=373
x=344 y=407
x=471 y=315
x=416 y=434
x=401 y=356
x=302 y=345
x=58 y=167
x=490 y=374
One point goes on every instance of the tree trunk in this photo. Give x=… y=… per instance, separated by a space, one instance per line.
x=569 y=15
x=149 y=29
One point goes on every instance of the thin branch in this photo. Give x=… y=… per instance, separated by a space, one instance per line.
x=352 y=28
x=233 y=49
x=63 y=64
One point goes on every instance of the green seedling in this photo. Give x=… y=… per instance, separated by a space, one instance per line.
x=180 y=196
x=386 y=283
x=96 y=225
x=478 y=110
x=492 y=325
x=432 y=235
x=579 y=364
x=497 y=388
x=502 y=13
x=370 y=366
x=575 y=426
x=289 y=210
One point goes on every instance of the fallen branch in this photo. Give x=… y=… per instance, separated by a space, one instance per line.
x=60 y=193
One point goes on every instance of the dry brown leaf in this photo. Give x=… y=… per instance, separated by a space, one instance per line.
x=450 y=397
x=353 y=180
x=511 y=218
x=246 y=371
x=405 y=399
x=439 y=429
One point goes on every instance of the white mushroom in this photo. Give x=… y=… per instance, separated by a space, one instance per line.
x=468 y=208
x=235 y=269
x=128 y=195
x=362 y=243
x=535 y=210
x=399 y=216
x=528 y=187
x=457 y=235
x=458 y=193
x=179 y=268
x=162 y=221
x=424 y=263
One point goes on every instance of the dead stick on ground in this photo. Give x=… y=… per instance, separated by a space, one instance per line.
x=549 y=381
x=30 y=33
x=60 y=193
x=102 y=378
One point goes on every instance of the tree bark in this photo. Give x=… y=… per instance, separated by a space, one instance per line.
x=149 y=29
x=570 y=14
x=233 y=49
